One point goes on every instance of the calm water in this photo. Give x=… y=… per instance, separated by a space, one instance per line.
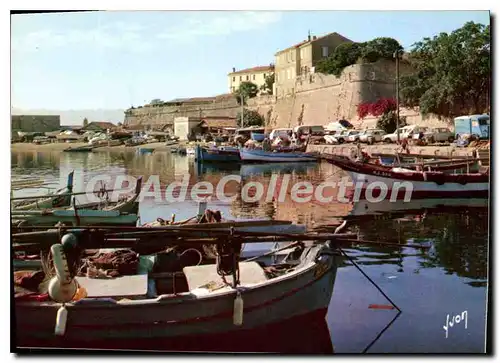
x=446 y=280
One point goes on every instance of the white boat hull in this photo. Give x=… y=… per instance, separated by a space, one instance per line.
x=401 y=189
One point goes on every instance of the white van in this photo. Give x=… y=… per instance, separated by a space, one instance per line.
x=404 y=133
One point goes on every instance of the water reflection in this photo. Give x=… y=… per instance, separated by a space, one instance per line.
x=455 y=230
x=457 y=236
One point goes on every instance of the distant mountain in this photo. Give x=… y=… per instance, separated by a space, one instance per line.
x=75 y=117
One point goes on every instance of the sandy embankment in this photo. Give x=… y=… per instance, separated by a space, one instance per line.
x=56 y=146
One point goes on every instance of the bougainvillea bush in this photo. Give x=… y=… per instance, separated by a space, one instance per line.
x=383 y=105
x=385 y=109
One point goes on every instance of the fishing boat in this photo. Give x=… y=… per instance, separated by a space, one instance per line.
x=79 y=149
x=401 y=183
x=121 y=212
x=221 y=154
x=145 y=150
x=437 y=164
x=73 y=217
x=60 y=198
x=259 y=155
x=183 y=299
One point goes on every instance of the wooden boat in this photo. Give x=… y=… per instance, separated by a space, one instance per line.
x=217 y=154
x=61 y=198
x=447 y=166
x=145 y=150
x=122 y=212
x=399 y=182
x=169 y=302
x=74 y=217
x=257 y=155
x=79 y=149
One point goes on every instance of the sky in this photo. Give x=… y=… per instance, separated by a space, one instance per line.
x=113 y=60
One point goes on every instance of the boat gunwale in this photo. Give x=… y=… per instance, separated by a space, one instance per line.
x=188 y=296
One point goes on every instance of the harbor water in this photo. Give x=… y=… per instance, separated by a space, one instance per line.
x=441 y=291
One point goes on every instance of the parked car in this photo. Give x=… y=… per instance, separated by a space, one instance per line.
x=354 y=137
x=404 y=133
x=314 y=130
x=437 y=134
x=344 y=136
x=371 y=135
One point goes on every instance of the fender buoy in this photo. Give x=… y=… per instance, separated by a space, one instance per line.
x=238 y=310
x=62 y=287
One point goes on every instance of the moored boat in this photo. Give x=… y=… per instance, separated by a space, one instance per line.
x=81 y=149
x=258 y=155
x=167 y=301
x=401 y=183
x=121 y=212
x=61 y=198
x=217 y=154
x=97 y=217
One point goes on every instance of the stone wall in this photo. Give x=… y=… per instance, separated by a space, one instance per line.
x=413 y=117
x=165 y=114
x=320 y=99
x=317 y=99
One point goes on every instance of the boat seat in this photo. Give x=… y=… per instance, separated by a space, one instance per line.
x=133 y=286
x=197 y=276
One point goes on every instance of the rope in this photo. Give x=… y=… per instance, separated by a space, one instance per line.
x=369 y=279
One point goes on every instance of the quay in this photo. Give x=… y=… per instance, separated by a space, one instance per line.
x=439 y=151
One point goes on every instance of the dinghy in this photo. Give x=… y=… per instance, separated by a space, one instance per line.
x=61 y=198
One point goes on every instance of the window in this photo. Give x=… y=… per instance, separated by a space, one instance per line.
x=241 y=78
x=234 y=88
x=234 y=79
x=248 y=78
x=324 y=51
x=293 y=55
x=264 y=76
x=254 y=77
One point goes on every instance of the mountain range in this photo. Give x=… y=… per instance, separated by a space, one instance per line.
x=75 y=117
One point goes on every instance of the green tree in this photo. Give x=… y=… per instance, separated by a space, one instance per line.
x=85 y=122
x=379 y=48
x=388 y=121
x=267 y=87
x=452 y=72
x=347 y=54
x=156 y=102
x=247 y=90
x=250 y=118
